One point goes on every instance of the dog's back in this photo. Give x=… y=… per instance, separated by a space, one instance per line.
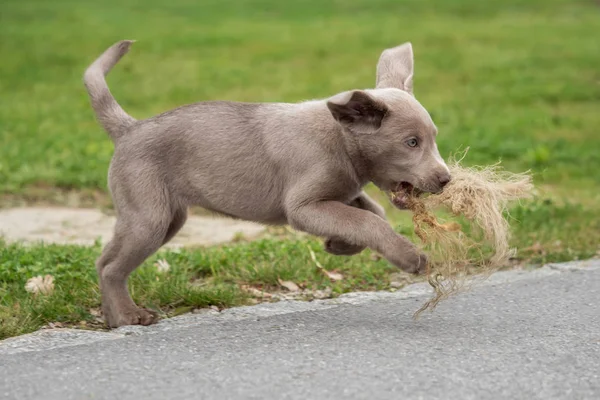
x=229 y=156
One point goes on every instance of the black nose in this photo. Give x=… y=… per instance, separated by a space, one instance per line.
x=444 y=179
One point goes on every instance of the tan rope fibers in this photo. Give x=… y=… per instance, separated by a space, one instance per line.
x=480 y=195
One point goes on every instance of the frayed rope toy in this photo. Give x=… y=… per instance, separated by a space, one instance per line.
x=479 y=195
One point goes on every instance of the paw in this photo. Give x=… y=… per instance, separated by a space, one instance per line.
x=135 y=316
x=341 y=248
x=418 y=264
x=413 y=262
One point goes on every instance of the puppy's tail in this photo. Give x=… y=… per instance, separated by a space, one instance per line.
x=109 y=113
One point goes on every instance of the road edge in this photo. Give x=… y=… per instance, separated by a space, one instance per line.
x=48 y=339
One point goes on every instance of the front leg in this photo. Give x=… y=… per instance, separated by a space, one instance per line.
x=363 y=201
x=357 y=227
x=339 y=247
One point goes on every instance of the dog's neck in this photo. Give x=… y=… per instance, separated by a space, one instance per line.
x=362 y=166
x=323 y=121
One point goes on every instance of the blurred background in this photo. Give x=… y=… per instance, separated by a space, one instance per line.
x=516 y=81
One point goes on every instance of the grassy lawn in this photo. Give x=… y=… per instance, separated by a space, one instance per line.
x=516 y=81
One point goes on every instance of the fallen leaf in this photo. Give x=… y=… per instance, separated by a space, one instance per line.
x=181 y=310
x=333 y=275
x=162 y=266
x=289 y=285
x=375 y=257
x=40 y=284
x=287 y=296
x=255 y=292
x=95 y=312
x=322 y=294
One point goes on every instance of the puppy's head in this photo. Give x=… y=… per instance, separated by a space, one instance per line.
x=394 y=132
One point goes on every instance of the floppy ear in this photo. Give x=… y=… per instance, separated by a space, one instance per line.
x=357 y=111
x=395 y=68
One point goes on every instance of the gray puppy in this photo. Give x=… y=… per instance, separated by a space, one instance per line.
x=299 y=164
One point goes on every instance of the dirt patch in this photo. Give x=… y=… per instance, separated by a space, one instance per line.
x=84 y=226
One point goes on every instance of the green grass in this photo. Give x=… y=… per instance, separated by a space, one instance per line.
x=196 y=278
x=516 y=81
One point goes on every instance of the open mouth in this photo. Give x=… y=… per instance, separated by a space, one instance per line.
x=403 y=193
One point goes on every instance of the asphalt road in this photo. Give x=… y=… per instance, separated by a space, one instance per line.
x=535 y=338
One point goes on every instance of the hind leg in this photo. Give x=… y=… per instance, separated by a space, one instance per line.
x=177 y=222
x=109 y=252
x=339 y=247
x=137 y=242
x=137 y=236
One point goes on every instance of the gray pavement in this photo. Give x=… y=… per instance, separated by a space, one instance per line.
x=521 y=335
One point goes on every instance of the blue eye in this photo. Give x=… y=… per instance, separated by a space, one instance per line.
x=412 y=142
